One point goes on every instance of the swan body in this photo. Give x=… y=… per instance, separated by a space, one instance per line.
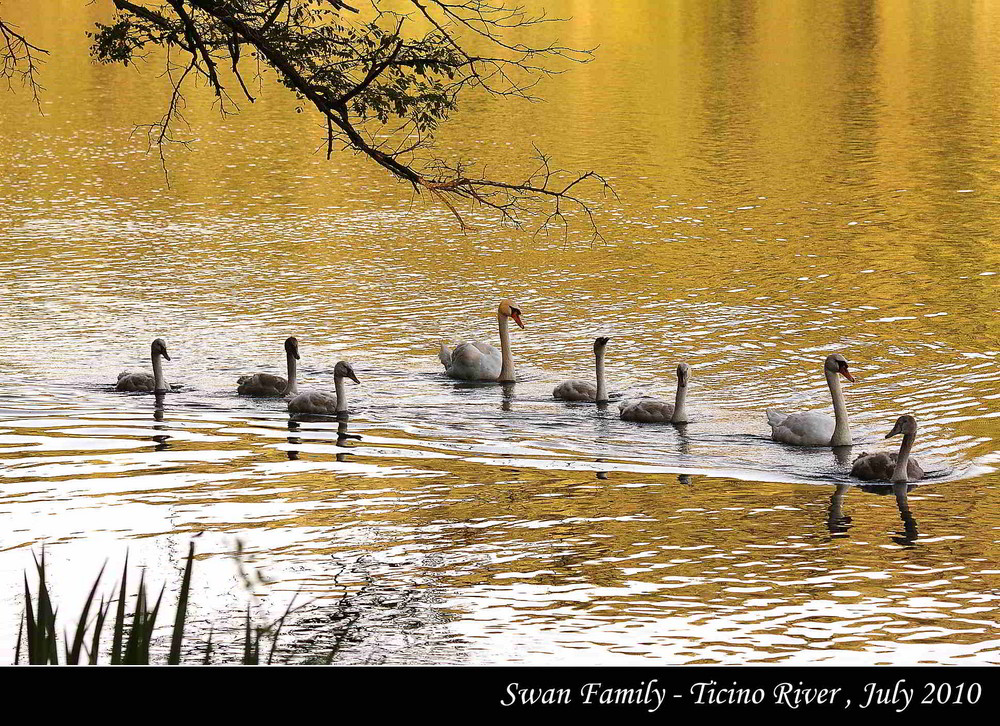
x=895 y=467
x=471 y=361
x=813 y=428
x=575 y=390
x=578 y=390
x=268 y=385
x=142 y=381
x=323 y=403
x=654 y=410
x=801 y=429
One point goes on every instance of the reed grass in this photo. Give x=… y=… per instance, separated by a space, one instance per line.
x=131 y=633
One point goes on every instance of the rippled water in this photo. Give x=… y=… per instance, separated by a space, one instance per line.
x=796 y=178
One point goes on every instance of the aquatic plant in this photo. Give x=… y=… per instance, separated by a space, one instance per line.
x=131 y=633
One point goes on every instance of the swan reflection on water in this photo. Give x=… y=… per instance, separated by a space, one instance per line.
x=839 y=523
x=161 y=440
x=293 y=427
x=343 y=435
x=508 y=396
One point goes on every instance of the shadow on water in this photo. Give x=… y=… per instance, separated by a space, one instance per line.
x=295 y=429
x=161 y=440
x=838 y=522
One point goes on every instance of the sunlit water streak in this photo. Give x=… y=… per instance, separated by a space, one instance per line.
x=769 y=217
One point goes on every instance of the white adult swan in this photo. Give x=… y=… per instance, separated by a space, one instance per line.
x=898 y=468
x=142 y=381
x=814 y=428
x=481 y=361
x=577 y=390
x=653 y=410
x=265 y=384
x=319 y=402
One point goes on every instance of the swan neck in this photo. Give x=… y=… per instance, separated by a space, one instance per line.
x=842 y=429
x=902 y=458
x=507 y=364
x=159 y=381
x=680 y=404
x=338 y=383
x=602 y=391
x=291 y=387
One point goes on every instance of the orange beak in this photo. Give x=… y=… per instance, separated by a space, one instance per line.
x=517 y=319
x=846 y=373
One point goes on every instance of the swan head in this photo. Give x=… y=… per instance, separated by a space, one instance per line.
x=837 y=363
x=683 y=374
x=343 y=369
x=600 y=344
x=510 y=309
x=904 y=425
x=292 y=347
x=159 y=347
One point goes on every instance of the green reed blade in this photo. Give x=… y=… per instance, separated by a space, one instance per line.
x=174 y=658
x=17 y=648
x=29 y=615
x=73 y=655
x=133 y=644
x=42 y=613
x=46 y=641
x=148 y=626
x=95 y=643
x=116 y=643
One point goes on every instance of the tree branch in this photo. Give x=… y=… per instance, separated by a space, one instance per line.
x=381 y=80
x=19 y=60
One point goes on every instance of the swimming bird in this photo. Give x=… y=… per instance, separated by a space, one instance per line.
x=481 y=361
x=142 y=381
x=320 y=402
x=265 y=384
x=896 y=467
x=654 y=410
x=577 y=390
x=813 y=428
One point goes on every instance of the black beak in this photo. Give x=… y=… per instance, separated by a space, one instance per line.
x=353 y=378
x=165 y=355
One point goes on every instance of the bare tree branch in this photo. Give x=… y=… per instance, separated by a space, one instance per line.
x=381 y=79
x=19 y=61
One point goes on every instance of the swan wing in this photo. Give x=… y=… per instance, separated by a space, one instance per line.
x=880 y=467
x=135 y=381
x=872 y=467
x=575 y=390
x=646 y=410
x=315 y=402
x=474 y=362
x=803 y=429
x=261 y=384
